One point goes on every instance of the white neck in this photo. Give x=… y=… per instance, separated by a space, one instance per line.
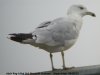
x=77 y=19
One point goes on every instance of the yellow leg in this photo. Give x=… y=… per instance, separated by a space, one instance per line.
x=62 y=53
x=51 y=61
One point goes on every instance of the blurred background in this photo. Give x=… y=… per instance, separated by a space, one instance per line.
x=25 y=15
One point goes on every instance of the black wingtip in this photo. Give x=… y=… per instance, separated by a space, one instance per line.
x=9 y=36
x=14 y=37
x=19 y=37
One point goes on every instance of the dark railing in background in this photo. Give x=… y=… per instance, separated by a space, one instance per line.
x=86 y=70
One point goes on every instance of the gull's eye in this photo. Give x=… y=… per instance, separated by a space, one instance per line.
x=81 y=8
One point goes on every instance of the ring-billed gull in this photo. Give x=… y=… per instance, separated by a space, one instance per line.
x=57 y=35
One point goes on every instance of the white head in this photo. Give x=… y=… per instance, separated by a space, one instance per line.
x=79 y=10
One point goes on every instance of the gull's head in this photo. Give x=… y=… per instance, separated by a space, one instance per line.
x=79 y=10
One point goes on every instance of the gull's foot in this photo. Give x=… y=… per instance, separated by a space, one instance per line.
x=68 y=68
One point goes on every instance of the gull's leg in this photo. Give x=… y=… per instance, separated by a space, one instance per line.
x=51 y=61
x=64 y=67
x=62 y=53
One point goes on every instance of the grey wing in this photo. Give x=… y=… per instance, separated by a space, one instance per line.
x=55 y=33
x=44 y=35
x=67 y=31
x=44 y=24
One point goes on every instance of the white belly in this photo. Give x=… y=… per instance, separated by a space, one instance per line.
x=52 y=49
x=69 y=44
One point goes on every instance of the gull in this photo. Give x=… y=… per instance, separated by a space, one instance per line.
x=56 y=35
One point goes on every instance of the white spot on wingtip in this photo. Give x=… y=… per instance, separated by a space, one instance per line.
x=9 y=36
x=34 y=37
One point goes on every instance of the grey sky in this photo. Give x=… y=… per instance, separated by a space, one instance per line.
x=24 y=15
